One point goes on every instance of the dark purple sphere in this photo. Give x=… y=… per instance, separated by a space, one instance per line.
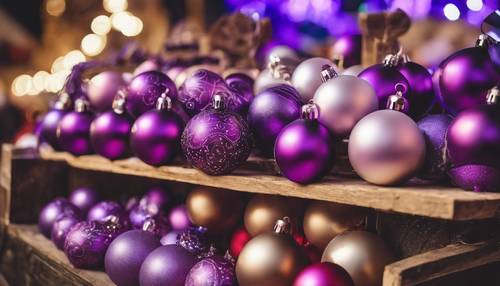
x=52 y=211
x=126 y=254
x=48 y=127
x=167 y=265
x=213 y=271
x=109 y=134
x=155 y=137
x=269 y=112
x=178 y=218
x=384 y=79
x=216 y=141
x=61 y=228
x=145 y=89
x=304 y=151
x=140 y=213
x=477 y=178
x=466 y=77
x=195 y=240
x=348 y=48
x=323 y=274
x=434 y=129
x=158 y=196
x=102 y=210
x=171 y=238
x=243 y=85
x=422 y=95
x=84 y=198
x=73 y=133
x=157 y=225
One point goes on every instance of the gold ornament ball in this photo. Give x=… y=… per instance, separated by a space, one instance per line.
x=324 y=220
x=215 y=209
x=362 y=254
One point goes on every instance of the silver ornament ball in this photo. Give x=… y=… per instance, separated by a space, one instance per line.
x=306 y=77
x=266 y=80
x=353 y=70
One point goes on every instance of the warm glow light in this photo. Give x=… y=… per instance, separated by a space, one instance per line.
x=101 y=25
x=115 y=6
x=57 y=80
x=475 y=5
x=93 y=44
x=39 y=80
x=22 y=85
x=72 y=58
x=55 y=7
x=132 y=27
x=451 y=12
x=119 y=20
x=57 y=65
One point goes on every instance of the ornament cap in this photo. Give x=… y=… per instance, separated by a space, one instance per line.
x=279 y=70
x=218 y=102
x=149 y=224
x=483 y=41
x=328 y=72
x=82 y=105
x=493 y=96
x=119 y=102
x=164 y=102
x=282 y=225
x=309 y=111
x=63 y=102
x=397 y=101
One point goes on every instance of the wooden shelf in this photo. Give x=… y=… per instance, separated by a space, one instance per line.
x=416 y=198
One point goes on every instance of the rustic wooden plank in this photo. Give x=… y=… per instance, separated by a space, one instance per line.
x=416 y=198
x=32 y=259
x=5 y=183
x=441 y=262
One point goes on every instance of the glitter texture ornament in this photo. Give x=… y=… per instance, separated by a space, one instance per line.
x=212 y=271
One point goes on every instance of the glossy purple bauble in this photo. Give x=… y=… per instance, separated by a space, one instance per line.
x=170 y=238
x=167 y=265
x=323 y=274
x=102 y=210
x=271 y=111
x=109 y=134
x=212 y=271
x=348 y=49
x=304 y=151
x=84 y=198
x=48 y=127
x=434 y=128
x=477 y=178
x=73 y=133
x=145 y=89
x=384 y=79
x=102 y=88
x=243 y=85
x=466 y=77
x=216 y=141
x=126 y=254
x=422 y=95
x=155 y=137
x=157 y=196
x=52 y=211
x=61 y=228
x=178 y=218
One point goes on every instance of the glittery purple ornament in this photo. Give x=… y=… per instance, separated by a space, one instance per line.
x=155 y=137
x=323 y=274
x=102 y=88
x=171 y=238
x=434 y=128
x=100 y=211
x=477 y=178
x=50 y=121
x=195 y=240
x=84 y=198
x=62 y=227
x=305 y=149
x=270 y=112
x=167 y=265
x=242 y=85
x=383 y=79
x=126 y=254
x=145 y=89
x=421 y=98
x=212 y=271
x=52 y=211
x=73 y=131
x=217 y=141
x=178 y=218
x=348 y=50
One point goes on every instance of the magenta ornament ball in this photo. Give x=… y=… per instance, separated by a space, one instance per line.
x=73 y=133
x=102 y=88
x=348 y=49
x=323 y=274
x=126 y=254
x=178 y=218
x=270 y=112
x=48 y=127
x=212 y=271
x=477 y=178
x=109 y=134
x=102 y=210
x=84 y=198
x=422 y=97
x=306 y=77
x=384 y=79
x=52 y=211
x=61 y=228
x=386 y=147
x=155 y=136
x=145 y=89
x=304 y=151
x=166 y=265
x=466 y=77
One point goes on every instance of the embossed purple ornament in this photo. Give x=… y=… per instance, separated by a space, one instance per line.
x=62 y=227
x=100 y=211
x=73 y=131
x=213 y=271
x=52 y=211
x=102 y=89
x=145 y=89
x=217 y=141
x=84 y=198
x=50 y=121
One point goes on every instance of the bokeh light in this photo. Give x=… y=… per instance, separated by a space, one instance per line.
x=57 y=65
x=22 y=85
x=55 y=7
x=132 y=27
x=451 y=12
x=475 y=5
x=115 y=6
x=101 y=25
x=72 y=58
x=39 y=80
x=93 y=44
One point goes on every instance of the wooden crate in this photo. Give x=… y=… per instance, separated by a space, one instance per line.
x=440 y=234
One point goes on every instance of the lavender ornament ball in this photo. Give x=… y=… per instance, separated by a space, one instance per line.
x=306 y=77
x=217 y=141
x=84 y=198
x=102 y=210
x=52 y=211
x=126 y=254
x=102 y=88
x=171 y=237
x=61 y=228
x=212 y=271
x=73 y=131
x=383 y=79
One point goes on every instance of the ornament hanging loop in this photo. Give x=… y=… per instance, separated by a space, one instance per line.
x=328 y=72
x=149 y=225
x=483 y=41
x=164 y=102
x=309 y=111
x=82 y=105
x=282 y=225
x=493 y=96
x=119 y=102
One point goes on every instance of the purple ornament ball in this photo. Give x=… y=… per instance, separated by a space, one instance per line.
x=212 y=271
x=158 y=196
x=61 y=228
x=421 y=98
x=156 y=224
x=148 y=65
x=84 y=198
x=145 y=89
x=73 y=131
x=126 y=254
x=102 y=88
x=109 y=134
x=52 y=211
x=323 y=274
x=348 y=49
x=102 y=210
x=241 y=84
x=477 y=178
x=167 y=265
x=48 y=127
x=140 y=213
x=171 y=237
x=195 y=240
x=270 y=112
x=178 y=218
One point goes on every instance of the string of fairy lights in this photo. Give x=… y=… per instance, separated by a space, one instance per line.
x=92 y=44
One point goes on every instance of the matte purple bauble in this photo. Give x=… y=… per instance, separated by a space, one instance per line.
x=145 y=89
x=171 y=237
x=477 y=178
x=466 y=77
x=109 y=134
x=157 y=196
x=100 y=211
x=384 y=79
x=73 y=132
x=421 y=98
x=348 y=49
x=48 y=127
x=434 y=128
x=126 y=254
x=178 y=218
x=167 y=265
x=306 y=78
x=269 y=112
x=195 y=240
x=323 y=274
x=84 y=198
x=212 y=271
x=52 y=211
x=217 y=141
x=243 y=85
x=61 y=228
x=102 y=88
